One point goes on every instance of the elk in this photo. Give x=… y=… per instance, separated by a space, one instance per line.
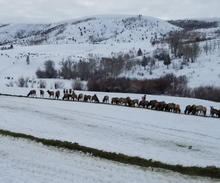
x=66 y=96
x=160 y=106
x=152 y=104
x=32 y=93
x=95 y=98
x=80 y=96
x=105 y=99
x=73 y=96
x=87 y=98
x=200 y=109
x=177 y=108
x=143 y=103
x=51 y=93
x=41 y=93
x=143 y=98
x=115 y=100
x=57 y=94
x=214 y=112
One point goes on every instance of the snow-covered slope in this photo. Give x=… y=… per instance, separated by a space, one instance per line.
x=23 y=161
x=149 y=134
x=103 y=36
x=87 y=30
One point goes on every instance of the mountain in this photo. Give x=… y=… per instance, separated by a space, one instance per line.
x=97 y=29
x=111 y=36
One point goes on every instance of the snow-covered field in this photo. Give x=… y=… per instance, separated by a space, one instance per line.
x=138 y=132
x=23 y=161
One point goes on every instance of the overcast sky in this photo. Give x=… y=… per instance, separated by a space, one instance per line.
x=58 y=10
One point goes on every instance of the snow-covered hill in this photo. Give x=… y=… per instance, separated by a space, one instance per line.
x=150 y=134
x=102 y=36
x=25 y=161
x=86 y=30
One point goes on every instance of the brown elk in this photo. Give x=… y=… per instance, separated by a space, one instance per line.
x=152 y=104
x=214 y=112
x=123 y=101
x=115 y=100
x=143 y=103
x=87 y=98
x=132 y=103
x=95 y=98
x=160 y=106
x=57 y=94
x=136 y=101
x=73 y=96
x=177 y=108
x=66 y=96
x=190 y=109
x=105 y=99
x=41 y=93
x=80 y=96
x=32 y=93
x=143 y=98
x=200 y=109
x=51 y=93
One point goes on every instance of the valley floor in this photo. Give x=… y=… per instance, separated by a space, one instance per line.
x=24 y=161
x=160 y=136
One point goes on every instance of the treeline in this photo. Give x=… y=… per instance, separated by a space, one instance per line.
x=91 y=68
x=166 y=85
x=193 y=24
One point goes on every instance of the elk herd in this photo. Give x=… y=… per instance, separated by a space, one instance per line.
x=143 y=103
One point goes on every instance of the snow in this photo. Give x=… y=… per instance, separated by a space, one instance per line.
x=102 y=36
x=149 y=134
x=25 y=161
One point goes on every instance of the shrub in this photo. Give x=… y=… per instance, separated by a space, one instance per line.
x=77 y=84
x=42 y=84
x=49 y=70
x=58 y=85
x=21 y=82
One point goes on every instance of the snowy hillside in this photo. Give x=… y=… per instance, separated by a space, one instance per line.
x=150 y=134
x=86 y=30
x=24 y=161
x=103 y=36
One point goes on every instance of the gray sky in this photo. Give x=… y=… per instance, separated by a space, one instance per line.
x=58 y=10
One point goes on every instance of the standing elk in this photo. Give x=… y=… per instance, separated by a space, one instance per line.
x=51 y=93
x=57 y=94
x=73 y=96
x=199 y=110
x=214 y=112
x=42 y=93
x=32 y=93
x=143 y=98
x=105 y=99
x=80 y=96
x=177 y=108
x=66 y=96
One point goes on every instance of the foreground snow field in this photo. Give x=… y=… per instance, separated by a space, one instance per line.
x=150 y=134
x=24 y=161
